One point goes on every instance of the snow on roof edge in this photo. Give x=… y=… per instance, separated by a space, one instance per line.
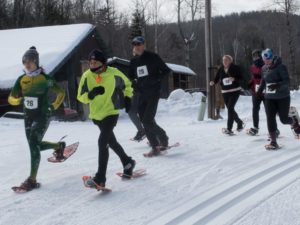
x=174 y=67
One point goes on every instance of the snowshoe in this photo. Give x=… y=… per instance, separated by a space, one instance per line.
x=135 y=174
x=227 y=132
x=140 y=135
x=272 y=146
x=28 y=185
x=240 y=126
x=59 y=152
x=296 y=132
x=128 y=169
x=89 y=182
x=153 y=152
x=253 y=131
x=165 y=148
x=67 y=152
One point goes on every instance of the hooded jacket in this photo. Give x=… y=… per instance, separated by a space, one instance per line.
x=276 y=73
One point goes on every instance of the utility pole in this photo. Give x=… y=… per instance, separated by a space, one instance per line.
x=209 y=60
x=155 y=26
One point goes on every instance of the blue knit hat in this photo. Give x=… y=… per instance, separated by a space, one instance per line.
x=267 y=54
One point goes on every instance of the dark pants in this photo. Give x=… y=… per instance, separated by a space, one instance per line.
x=230 y=100
x=280 y=107
x=35 y=129
x=108 y=139
x=147 y=111
x=133 y=113
x=256 y=102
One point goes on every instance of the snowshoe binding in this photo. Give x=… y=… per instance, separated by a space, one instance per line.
x=28 y=185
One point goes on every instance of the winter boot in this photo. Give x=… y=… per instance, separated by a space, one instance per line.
x=277 y=133
x=140 y=135
x=59 y=152
x=240 y=126
x=93 y=183
x=128 y=169
x=29 y=184
x=155 y=151
x=253 y=131
x=164 y=143
x=227 y=131
x=295 y=126
x=272 y=146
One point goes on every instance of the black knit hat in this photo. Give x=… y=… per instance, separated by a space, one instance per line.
x=97 y=55
x=256 y=53
x=31 y=55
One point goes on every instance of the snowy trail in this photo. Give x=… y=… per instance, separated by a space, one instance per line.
x=217 y=205
x=209 y=179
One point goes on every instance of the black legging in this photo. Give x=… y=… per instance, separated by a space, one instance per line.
x=230 y=100
x=147 y=111
x=256 y=102
x=133 y=112
x=108 y=139
x=280 y=106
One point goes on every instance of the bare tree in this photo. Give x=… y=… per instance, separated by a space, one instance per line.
x=289 y=7
x=194 y=8
x=235 y=45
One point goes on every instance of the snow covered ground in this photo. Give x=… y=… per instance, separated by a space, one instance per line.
x=210 y=179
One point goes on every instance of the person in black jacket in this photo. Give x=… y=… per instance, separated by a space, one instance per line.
x=229 y=76
x=146 y=72
x=275 y=82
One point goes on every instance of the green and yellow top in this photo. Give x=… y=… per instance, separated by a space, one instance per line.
x=33 y=92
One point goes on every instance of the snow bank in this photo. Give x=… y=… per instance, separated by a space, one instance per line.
x=53 y=43
x=180 y=103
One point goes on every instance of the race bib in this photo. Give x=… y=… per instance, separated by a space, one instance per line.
x=256 y=87
x=142 y=71
x=31 y=102
x=268 y=91
x=227 y=81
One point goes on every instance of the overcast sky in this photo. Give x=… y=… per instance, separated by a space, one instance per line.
x=220 y=7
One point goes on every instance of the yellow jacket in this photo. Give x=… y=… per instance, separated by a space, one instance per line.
x=116 y=85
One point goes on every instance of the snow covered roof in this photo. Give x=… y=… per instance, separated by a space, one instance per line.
x=174 y=67
x=181 y=69
x=54 y=44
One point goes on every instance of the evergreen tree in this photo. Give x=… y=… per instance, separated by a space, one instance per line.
x=137 y=24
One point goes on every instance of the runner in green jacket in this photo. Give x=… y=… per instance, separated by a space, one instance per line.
x=32 y=90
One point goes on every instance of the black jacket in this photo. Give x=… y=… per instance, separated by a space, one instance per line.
x=276 y=73
x=147 y=70
x=233 y=71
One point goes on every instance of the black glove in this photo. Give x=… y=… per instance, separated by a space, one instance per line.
x=134 y=84
x=96 y=91
x=127 y=102
x=273 y=87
